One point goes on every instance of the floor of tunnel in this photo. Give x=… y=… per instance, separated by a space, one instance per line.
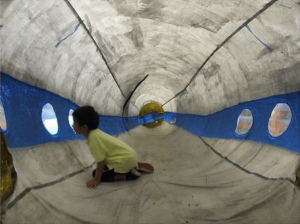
x=191 y=184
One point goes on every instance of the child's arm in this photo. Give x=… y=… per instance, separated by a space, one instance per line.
x=99 y=170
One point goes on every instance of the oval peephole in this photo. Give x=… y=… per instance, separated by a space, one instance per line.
x=49 y=119
x=280 y=119
x=244 y=122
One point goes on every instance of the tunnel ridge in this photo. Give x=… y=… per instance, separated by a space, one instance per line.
x=242 y=168
x=222 y=44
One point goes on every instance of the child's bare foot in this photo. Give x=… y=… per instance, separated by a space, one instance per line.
x=145 y=167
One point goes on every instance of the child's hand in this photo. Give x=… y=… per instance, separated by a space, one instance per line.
x=92 y=184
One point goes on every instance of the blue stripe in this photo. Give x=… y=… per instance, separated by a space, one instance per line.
x=76 y=27
x=270 y=49
x=222 y=124
x=23 y=105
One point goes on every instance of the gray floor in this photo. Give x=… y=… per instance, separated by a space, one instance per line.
x=191 y=183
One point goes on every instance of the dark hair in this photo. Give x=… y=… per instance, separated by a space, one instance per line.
x=87 y=115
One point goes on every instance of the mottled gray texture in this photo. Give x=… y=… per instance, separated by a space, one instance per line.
x=169 y=40
x=266 y=160
x=191 y=183
x=74 y=70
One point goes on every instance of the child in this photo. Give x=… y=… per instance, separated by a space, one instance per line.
x=115 y=160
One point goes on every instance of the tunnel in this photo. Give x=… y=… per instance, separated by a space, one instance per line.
x=208 y=92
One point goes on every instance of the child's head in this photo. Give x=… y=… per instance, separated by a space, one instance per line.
x=85 y=118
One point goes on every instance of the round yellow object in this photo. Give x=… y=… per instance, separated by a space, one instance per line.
x=152 y=108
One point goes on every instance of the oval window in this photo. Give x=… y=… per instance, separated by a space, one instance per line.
x=173 y=119
x=70 y=118
x=2 y=118
x=244 y=122
x=280 y=119
x=49 y=119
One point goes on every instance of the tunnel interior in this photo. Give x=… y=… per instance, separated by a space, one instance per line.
x=208 y=92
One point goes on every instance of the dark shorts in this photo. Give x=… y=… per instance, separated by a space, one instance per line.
x=107 y=175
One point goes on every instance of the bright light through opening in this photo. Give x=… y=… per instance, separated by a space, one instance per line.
x=71 y=118
x=244 y=122
x=49 y=119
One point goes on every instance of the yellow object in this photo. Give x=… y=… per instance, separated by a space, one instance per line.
x=7 y=183
x=152 y=108
x=118 y=155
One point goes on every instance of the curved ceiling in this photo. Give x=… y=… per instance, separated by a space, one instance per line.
x=193 y=51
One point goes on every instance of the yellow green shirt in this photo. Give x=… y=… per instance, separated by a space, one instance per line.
x=118 y=155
